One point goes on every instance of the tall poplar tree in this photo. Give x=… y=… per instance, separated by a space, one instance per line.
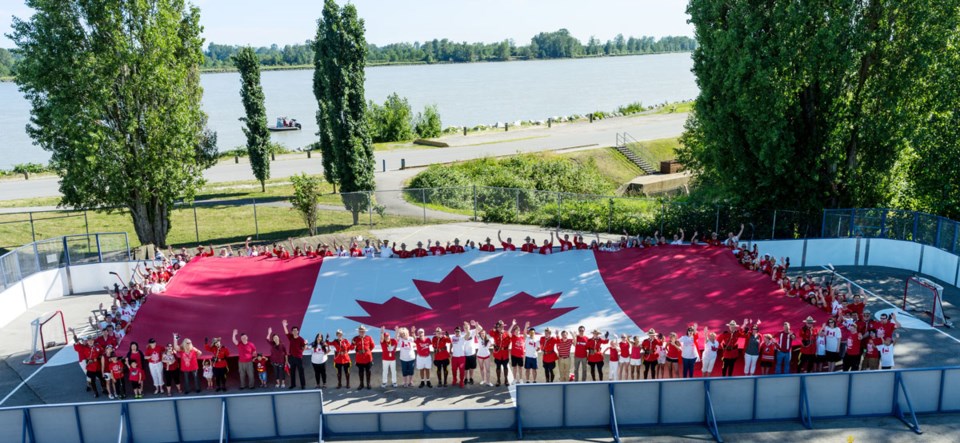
x=807 y=104
x=338 y=81
x=258 y=137
x=114 y=89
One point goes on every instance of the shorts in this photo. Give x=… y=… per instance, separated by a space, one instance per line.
x=832 y=356
x=441 y=364
x=135 y=385
x=549 y=366
x=673 y=360
x=423 y=362
x=516 y=361
x=501 y=363
x=636 y=362
x=471 y=362
x=407 y=367
x=766 y=364
x=530 y=363
x=263 y=376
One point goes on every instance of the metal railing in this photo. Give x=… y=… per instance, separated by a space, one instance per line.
x=895 y=224
x=59 y=252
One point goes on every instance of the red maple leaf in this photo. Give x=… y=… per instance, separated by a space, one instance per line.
x=458 y=298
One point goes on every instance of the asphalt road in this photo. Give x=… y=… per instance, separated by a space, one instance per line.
x=493 y=144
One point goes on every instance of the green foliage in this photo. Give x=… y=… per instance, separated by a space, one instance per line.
x=632 y=108
x=7 y=63
x=29 y=168
x=114 y=88
x=427 y=124
x=391 y=122
x=305 y=199
x=258 y=137
x=338 y=81
x=825 y=106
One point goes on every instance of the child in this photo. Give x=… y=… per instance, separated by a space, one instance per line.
x=260 y=365
x=116 y=383
x=208 y=374
x=136 y=379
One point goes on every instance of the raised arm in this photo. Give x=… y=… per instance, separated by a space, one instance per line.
x=269 y=333
x=741 y=231
x=235 y=341
x=285 y=330
x=694 y=238
x=682 y=234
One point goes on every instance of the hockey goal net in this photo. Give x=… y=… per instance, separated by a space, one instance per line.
x=922 y=295
x=48 y=331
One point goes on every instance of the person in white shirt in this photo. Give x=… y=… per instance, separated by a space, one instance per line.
x=688 y=352
x=457 y=356
x=318 y=359
x=886 y=351
x=710 y=349
x=678 y=239
x=832 y=338
x=821 y=350
x=369 y=250
x=484 y=343
x=531 y=349
x=408 y=356
x=388 y=356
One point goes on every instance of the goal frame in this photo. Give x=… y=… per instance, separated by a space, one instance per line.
x=937 y=304
x=38 y=351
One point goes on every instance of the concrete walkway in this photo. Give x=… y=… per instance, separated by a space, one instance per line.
x=600 y=133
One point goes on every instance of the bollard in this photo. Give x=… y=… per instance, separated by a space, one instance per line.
x=309 y=151
x=26 y=176
x=236 y=159
x=273 y=157
x=464 y=131
x=384 y=166
x=403 y=163
x=506 y=127
x=591 y=118
x=549 y=122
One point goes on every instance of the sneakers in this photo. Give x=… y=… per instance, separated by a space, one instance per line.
x=384 y=385
x=423 y=383
x=112 y=397
x=428 y=384
x=394 y=385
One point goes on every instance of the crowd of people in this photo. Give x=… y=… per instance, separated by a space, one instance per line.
x=849 y=340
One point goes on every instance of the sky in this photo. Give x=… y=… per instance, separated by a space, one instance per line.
x=262 y=22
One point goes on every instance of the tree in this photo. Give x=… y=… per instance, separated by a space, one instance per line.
x=391 y=122
x=305 y=200
x=813 y=104
x=258 y=137
x=427 y=124
x=504 y=50
x=114 y=88
x=340 y=53
x=6 y=63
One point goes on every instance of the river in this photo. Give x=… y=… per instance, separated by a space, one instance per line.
x=466 y=94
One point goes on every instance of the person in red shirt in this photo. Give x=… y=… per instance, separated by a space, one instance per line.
x=117 y=377
x=650 y=350
x=441 y=357
x=341 y=358
x=284 y=253
x=623 y=352
x=674 y=351
x=768 y=354
x=219 y=361
x=355 y=250
x=246 y=351
x=89 y=354
x=595 y=354
x=853 y=354
x=436 y=249
x=548 y=343
x=529 y=245
x=363 y=346
x=136 y=377
x=419 y=251
x=808 y=346
x=402 y=252
x=579 y=243
x=517 y=350
x=455 y=248
x=565 y=243
x=423 y=357
x=507 y=245
x=887 y=325
x=388 y=355
x=730 y=343
x=871 y=354
x=580 y=354
x=487 y=246
x=501 y=351
x=547 y=247
x=295 y=355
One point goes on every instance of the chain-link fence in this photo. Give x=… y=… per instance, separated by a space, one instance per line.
x=59 y=252
x=895 y=224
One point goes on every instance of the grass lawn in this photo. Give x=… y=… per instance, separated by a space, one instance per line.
x=613 y=165
x=675 y=108
x=659 y=150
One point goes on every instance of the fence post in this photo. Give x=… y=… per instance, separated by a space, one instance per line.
x=423 y=202
x=99 y=250
x=850 y=229
x=559 y=206
x=773 y=231
x=823 y=225
x=256 y=221
x=370 y=207
x=663 y=215
x=196 y=227
x=883 y=224
x=916 y=224
x=716 y=222
x=936 y=239
x=33 y=232
x=956 y=232
x=518 y=203
x=610 y=220
x=86 y=223
x=474 y=202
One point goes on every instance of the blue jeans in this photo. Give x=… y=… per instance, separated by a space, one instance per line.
x=688 y=364
x=783 y=363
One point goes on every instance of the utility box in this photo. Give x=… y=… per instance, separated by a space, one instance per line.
x=670 y=167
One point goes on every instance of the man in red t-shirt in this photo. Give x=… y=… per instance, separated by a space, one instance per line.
x=580 y=354
x=423 y=357
x=295 y=354
x=363 y=346
x=487 y=246
x=455 y=248
x=853 y=354
x=246 y=351
x=517 y=349
x=579 y=243
x=419 y=251
x=355 y=250
x=529 y=245
x=402 y=252
x=441 y=357
x=565 y=243
x=501 y=351
x=89 y=354
x=507 y=245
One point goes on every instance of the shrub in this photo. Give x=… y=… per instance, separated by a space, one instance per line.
x=428 y=124
x=29 y=168
x=391 y=122
x=632 y=108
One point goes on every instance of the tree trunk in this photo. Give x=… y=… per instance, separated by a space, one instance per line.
x=356 y=217
x=151 y=221
x=263 y=186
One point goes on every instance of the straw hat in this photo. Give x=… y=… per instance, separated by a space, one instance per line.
x=362 y=328
x=809 y=320
x=651 y=331
x=733 y=323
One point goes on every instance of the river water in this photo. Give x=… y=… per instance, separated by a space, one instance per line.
x=466 y=94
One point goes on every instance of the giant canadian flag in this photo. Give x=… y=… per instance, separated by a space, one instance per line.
x=629 y=291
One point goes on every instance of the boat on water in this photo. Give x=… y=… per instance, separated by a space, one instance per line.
x=285 y=124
